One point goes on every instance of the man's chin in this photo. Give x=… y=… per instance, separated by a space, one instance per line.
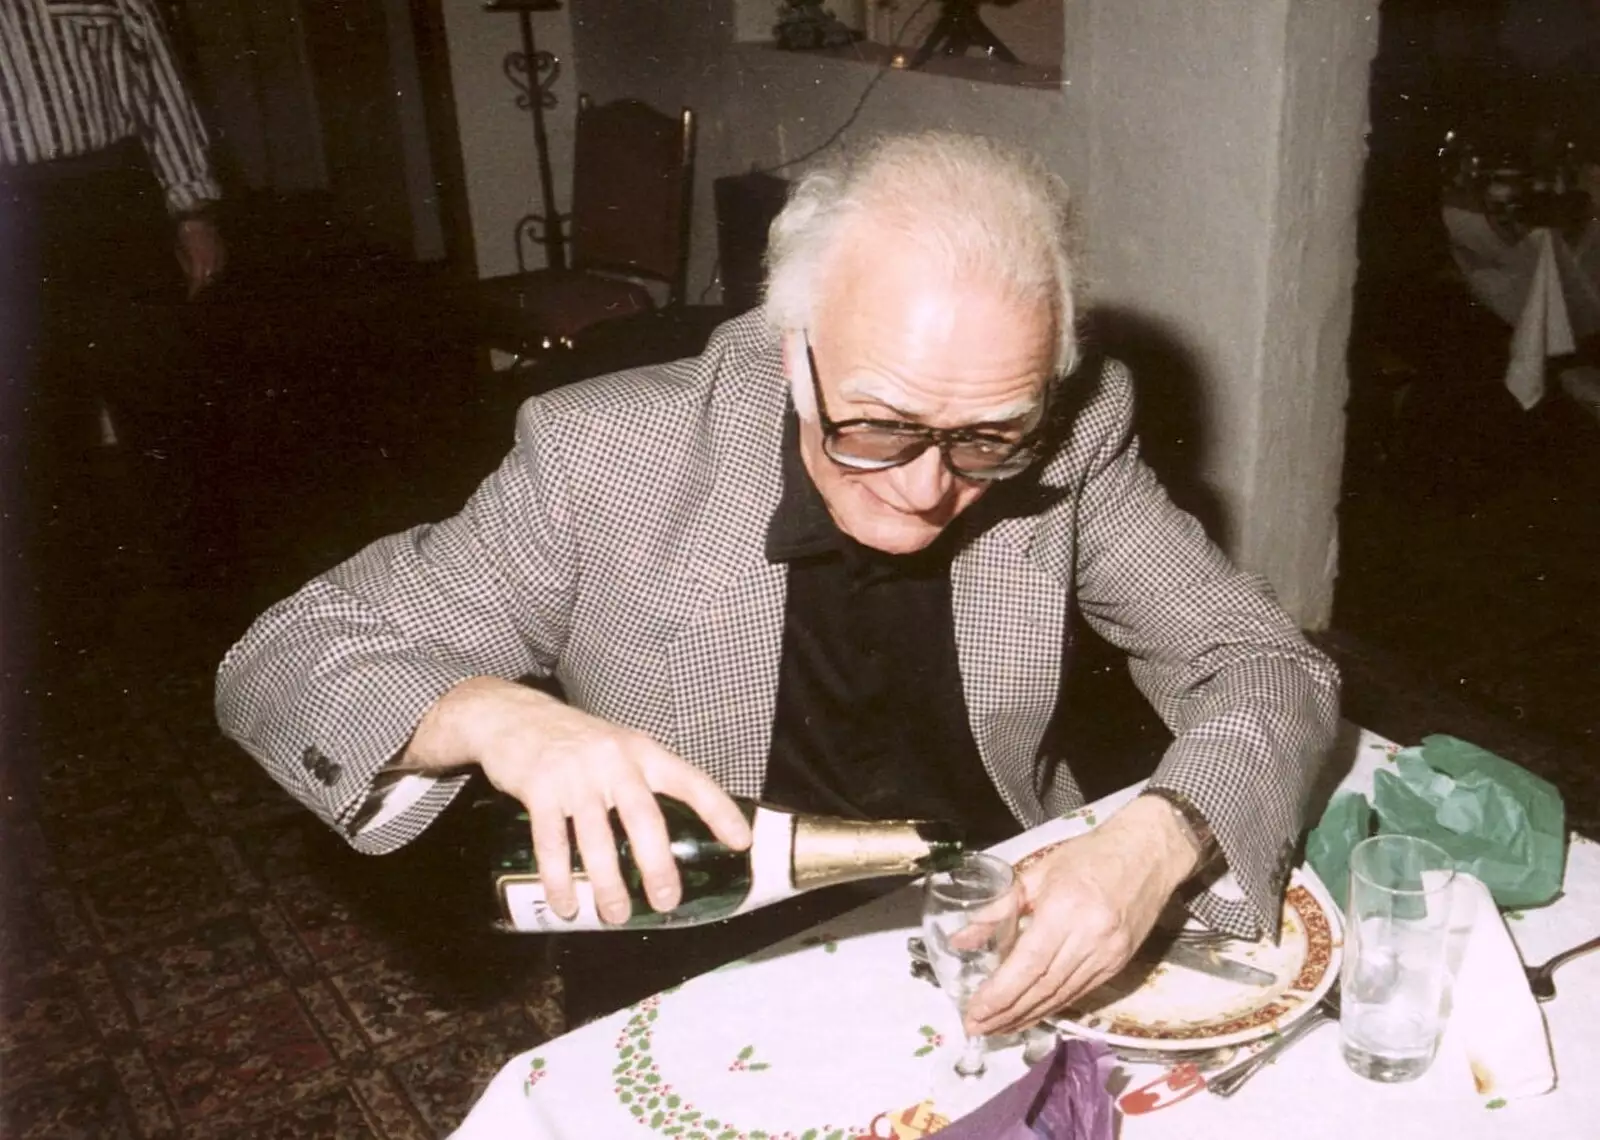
x=895 y=535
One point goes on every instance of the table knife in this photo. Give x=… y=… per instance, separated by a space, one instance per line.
x=1207 y=961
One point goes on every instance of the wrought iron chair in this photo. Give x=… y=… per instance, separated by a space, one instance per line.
x=632 y=184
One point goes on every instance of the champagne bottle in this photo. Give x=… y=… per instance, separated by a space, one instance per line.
x=789 y=854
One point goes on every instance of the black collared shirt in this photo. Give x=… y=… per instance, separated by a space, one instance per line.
x=871 y=718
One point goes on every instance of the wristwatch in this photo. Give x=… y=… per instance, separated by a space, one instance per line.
x=1194 y=824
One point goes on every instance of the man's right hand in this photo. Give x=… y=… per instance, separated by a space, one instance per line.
x=564 y=764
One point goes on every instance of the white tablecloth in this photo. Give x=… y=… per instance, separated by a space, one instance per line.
x=1545 y=288
x=828 y=1037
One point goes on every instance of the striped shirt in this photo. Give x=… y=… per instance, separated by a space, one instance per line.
x=78 y=76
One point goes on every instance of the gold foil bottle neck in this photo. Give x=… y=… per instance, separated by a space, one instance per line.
x=831 y=851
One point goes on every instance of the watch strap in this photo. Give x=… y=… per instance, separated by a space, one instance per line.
x=1189 y=816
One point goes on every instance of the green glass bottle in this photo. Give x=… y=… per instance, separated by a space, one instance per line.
x=789 y=854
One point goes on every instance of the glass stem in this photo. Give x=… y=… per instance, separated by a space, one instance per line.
x=971 y=1062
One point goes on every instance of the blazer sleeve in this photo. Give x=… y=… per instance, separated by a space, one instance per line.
x=1251 y=703
x=328 y=685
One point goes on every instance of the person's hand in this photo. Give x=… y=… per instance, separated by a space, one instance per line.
x=201 y=252
x=564 y=764
x=1092 y=903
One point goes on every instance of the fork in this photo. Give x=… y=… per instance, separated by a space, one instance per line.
x=1232 y=1080
x=1540 y=979
x=1202 y=936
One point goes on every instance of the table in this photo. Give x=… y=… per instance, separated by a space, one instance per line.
x=829 y=1032
x=1544 y=286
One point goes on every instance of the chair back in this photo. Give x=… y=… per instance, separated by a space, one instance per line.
x=632 y=186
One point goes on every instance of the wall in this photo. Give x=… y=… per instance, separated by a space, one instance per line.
x=1225 y=159
x=1216 y=150
x=323 y=96
x=421 y=177
x=353 y=73
x=497 y=151
x=1030 y=29
x=1311 y=273
x=759 y=107
x=257 y=88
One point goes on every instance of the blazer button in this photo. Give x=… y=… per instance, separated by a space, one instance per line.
x=313 y=761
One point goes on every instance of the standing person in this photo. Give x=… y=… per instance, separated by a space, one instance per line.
x=107 y=205
x=830 y=562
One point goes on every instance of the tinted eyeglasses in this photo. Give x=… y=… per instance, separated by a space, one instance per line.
x=877 y=445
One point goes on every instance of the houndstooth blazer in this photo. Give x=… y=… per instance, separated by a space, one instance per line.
x=619 y=548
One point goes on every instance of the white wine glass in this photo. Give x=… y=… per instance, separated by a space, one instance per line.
x=969 y=922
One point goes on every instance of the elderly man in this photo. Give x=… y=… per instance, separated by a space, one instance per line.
x=831 y=561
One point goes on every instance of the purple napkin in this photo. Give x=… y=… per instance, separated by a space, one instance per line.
x=1063 y=1097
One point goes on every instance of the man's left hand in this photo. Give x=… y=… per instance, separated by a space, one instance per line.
x=1092 y=903
x=201 y=253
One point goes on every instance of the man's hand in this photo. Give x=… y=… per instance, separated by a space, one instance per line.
x=1092 y=904
x=562 y=764
x=201 y=253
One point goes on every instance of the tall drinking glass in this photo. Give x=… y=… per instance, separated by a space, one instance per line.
x=969 y=921
x=1395 y=956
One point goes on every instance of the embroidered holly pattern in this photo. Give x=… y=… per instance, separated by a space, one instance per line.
x=830 y=945
x=536 y=1073
x=1085 y=814
x=743 y=1064
x=931 y=1040
x=638 y=1087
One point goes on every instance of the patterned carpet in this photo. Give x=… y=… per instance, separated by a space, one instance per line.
x=186 y=953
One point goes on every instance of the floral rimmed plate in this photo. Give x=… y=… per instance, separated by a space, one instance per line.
x=1163 y=1006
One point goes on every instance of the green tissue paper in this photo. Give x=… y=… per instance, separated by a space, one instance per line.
x=1346 y=822
x=1497 y=820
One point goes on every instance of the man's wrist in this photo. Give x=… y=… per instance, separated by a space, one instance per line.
x=202 y=211
x=1191 y=823
x=441 y=743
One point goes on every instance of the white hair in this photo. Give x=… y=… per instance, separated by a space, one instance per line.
x=983 y=209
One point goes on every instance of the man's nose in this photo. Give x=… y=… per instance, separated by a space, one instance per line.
x=923 y=483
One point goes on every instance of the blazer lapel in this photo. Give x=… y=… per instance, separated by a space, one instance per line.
x=726 y=636
x=1010 y=596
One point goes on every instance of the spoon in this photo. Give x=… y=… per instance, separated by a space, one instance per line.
x=1540 y=978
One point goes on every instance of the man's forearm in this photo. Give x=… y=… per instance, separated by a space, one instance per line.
x=449 y=736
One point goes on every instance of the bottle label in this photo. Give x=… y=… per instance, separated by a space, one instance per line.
x=523 y=903
x=525 y=908
x=771 y=859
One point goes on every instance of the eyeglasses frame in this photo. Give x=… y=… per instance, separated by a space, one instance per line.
x=942 y=438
